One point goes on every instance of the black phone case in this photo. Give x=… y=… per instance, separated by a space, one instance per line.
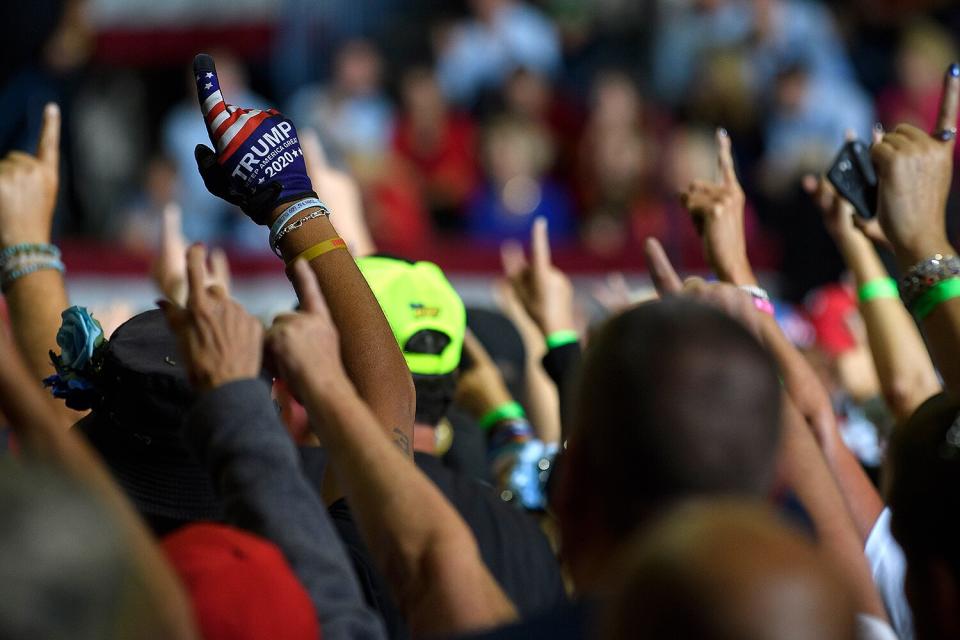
x=854 y=177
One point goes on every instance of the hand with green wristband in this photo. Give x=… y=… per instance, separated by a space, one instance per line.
x=903 y=366
x=545 y=292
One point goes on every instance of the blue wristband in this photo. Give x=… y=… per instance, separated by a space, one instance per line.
x=288 y=214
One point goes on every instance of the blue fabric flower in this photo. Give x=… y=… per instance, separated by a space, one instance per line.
x=78 y=337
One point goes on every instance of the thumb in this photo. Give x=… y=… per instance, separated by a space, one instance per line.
x=664 y=276
x=48 y=147
x=308 y=289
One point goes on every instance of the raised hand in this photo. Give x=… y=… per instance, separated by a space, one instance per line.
x=28 y=186
x=306 y=343
x=480 y=387
x=729 y=299
x=545 y=292
x=169 y=269
x=915 y=169
x=220 y=341
x=258 y=163
x=717 y=212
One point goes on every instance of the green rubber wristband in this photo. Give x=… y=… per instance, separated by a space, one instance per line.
x=935 y=296
x=506 y=411
x=876 y=289
x=560 y=338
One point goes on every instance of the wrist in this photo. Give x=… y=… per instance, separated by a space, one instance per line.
x=507 y=411
x=558 y=324
x=910 y=253
x=739 y=273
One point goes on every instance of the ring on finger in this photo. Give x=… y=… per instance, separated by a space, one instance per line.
x=946 y=135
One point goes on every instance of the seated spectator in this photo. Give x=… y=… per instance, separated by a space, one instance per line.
x=517 y=155
x=440 y=144
x=352 y=115
x=479 y=54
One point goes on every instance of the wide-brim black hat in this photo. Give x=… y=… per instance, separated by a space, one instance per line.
x=137 y=424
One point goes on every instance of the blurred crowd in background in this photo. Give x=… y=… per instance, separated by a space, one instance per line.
x=463 y=120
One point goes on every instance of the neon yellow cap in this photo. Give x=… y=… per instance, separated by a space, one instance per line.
x=417 y=297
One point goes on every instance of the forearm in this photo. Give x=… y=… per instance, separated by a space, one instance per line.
x=906 y=372
x=811 y=401
x=415 y=536
x=809 y=478
x=35 y=303
x=369 y=349
x=42 y=436
x=561 y=364
x=942 y=326
x=235 y=429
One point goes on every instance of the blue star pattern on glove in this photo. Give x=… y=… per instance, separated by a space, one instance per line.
x=258 y=163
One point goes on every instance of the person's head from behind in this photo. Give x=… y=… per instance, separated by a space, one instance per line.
x=922 y=478
x=428 y=319
x=675 y=400
x=725 y=569
x=63 y=567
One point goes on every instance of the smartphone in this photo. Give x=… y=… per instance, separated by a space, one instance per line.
x=854 y=177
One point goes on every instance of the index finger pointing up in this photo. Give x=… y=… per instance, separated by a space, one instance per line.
x=48 y=148
x=949 y=102
x=212 y=104
x=725 y=157
x=308 y=289
x=540 y=244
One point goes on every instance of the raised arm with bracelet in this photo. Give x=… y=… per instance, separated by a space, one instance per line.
x=259 y=166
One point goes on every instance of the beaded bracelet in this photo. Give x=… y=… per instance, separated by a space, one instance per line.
x=10 y=277
x=293 y=226
x=935 y=296
x=877 y=289
x=757 y=292
x=924 y=275
x=28 y=248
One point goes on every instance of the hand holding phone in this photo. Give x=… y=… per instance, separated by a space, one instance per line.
x=855 y=178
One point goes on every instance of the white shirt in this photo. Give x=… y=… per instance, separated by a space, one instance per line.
x=889 y=567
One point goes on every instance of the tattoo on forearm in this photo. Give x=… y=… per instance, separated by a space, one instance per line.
x=401 y=440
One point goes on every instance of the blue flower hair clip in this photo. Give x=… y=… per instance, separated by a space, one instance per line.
x=81 y=341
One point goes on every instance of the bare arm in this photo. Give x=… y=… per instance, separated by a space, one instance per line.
x=906 y=372
x=806 y=473
x=370 y=352
x=717 y=209
x=416 y=538
x=40 y=430
x=810 y=400
x=28 y=194
x=915 y=170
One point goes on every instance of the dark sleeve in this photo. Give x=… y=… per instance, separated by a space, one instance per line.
x=236 y=431
x=561 y=364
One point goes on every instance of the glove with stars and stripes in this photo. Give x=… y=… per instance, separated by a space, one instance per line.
x=258 y=162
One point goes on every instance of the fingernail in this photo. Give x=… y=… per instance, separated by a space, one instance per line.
x=723 y=132
x=954 y=70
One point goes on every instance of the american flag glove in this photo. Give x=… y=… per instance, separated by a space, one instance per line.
x=258 y=163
